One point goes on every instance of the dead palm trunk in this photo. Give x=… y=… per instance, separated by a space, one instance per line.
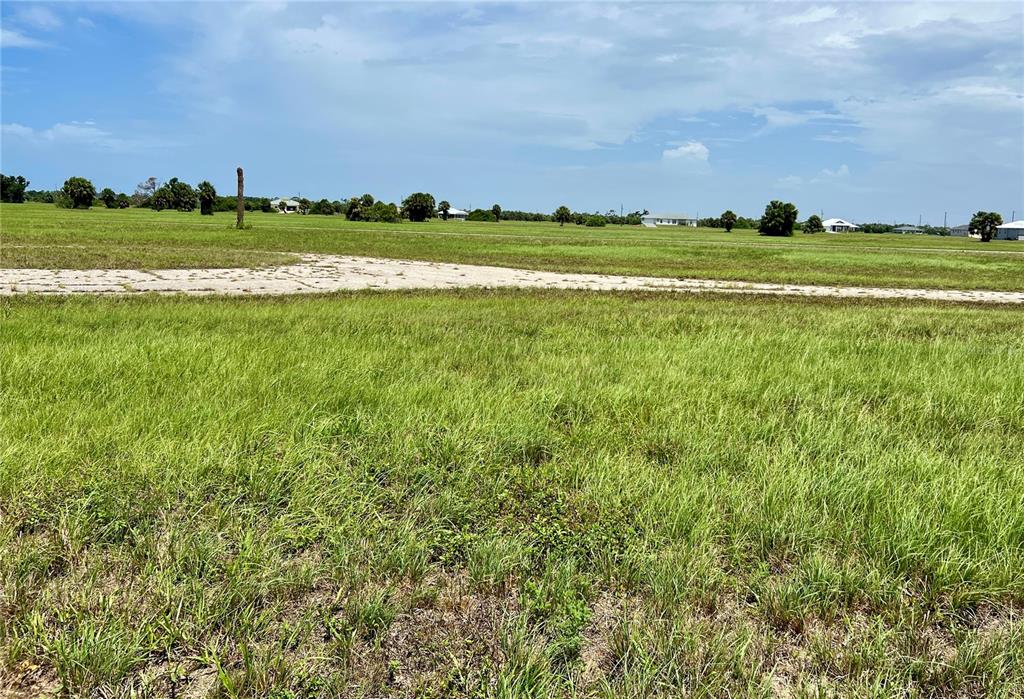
x=241 y=198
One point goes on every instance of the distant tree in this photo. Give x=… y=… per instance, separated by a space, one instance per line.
x=562 y=215
x=496 y=210
x=304 y=205
x=443 y=208
x=595 y=221
x=108 y=197
x=79 y=192
x=207 y=197
x=12 y=188
x=144 y=191
x=322 y=208
x=382 y=212
x=174 y=194
x=265 y=206
x=728 y=220
x=779 y=218
x=813 y=224
x=366 y=201
x=123 y=202
x=418 y=206
x=984 y=223
x=480 y=215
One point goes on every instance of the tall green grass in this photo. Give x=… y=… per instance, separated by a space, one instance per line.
x=511 y=494
x=41 y=235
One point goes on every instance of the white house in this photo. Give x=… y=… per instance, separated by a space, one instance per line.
x=654 y=220
x=838 y=225
x=908 y=229
x=290 y=205
x=1014 y=230
x=457 y=214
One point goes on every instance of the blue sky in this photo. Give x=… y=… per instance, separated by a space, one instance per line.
x=865 y=111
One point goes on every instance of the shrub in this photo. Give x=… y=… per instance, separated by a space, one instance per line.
x=12 y=188
x=79 y=191
x=418 y=206
x=595 y=221
x=779 y=218
x=108 y=197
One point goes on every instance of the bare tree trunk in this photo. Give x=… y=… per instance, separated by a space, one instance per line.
x=241 y=198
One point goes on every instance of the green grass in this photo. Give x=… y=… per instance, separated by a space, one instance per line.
x=40 y=235
x=515 y=494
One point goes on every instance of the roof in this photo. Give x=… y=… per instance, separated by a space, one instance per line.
x=838 y=222
x=289 y=202
x=452 y=211
x=1016 y=225
x=680 y=216
x=909 y=229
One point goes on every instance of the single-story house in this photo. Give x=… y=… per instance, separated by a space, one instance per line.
x=654 y=220
x=907 y=229
x=838 y=225
x=290 y=205
x=961 y=231
x=457 y=214
x=1014 y=230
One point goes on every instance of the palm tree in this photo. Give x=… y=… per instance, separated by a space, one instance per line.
x=443 y=208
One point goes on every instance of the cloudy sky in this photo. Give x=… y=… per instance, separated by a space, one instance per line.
x=866 y=111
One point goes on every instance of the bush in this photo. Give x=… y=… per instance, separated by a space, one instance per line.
x=594 y=221
x=779 y=218
x=480 y=215
x=12 y=188
x=813 y=225
x=108 y=197
x=79 y=191
x=382 y=212
x=418 y=206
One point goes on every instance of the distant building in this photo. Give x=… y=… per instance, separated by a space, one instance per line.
x=457 y=214
x=838 y=225
x=655 y=220
x=1014 y=230
x=290 y=205
x=961 y=231
x=907 y=229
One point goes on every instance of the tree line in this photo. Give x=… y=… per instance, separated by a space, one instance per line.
x=779 y=218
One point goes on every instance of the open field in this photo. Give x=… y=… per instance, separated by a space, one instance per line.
x=40 y=235
x=517 y=494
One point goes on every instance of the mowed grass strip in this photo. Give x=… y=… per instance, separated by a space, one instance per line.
x=511 y=494
x=41 y=235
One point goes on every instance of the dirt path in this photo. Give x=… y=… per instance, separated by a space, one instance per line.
x=319 y=273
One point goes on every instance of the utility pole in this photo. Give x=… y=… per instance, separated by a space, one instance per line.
x=241 y=198
x=919 y=220
x=944 y=219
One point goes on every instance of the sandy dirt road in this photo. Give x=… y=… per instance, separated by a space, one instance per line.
x=322 y=273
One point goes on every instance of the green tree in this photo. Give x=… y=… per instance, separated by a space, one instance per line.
x=728 y=219
x=12 y=188
x=383 y=212
x=984 y=223
x=79 y=192
x=174 y=194
x=265 y=206
x=813 y=224
x=443 y=208
x=322 y=208
x=207 y=197
x=123 y=201
x=108 y=197
x=496 y=210
x=562 y=215
x=595 y=221
x=778 y=219
x=418 y=206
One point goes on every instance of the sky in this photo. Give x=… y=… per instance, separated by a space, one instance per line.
x=868 y=111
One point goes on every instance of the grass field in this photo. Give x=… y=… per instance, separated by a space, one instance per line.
x=41 y=235
x=508 y=494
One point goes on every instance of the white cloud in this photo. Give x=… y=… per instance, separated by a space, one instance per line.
x=790 y=182
x=691 y=150
x=841 y=171
x=13 y=39
x=81 y=133
x=38 y=16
